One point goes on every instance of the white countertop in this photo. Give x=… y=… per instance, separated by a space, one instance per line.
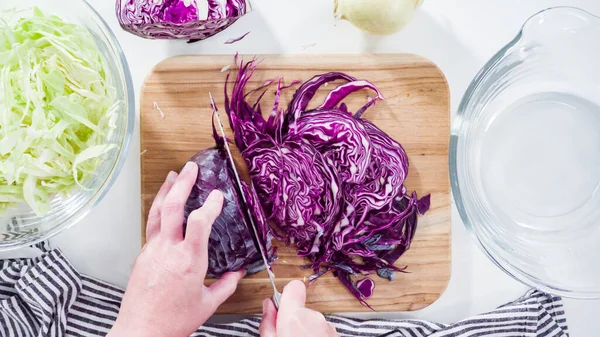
x=458 y=35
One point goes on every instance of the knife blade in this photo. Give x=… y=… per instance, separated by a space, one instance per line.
x=276 y=293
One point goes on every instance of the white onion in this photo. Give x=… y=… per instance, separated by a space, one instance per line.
x=379 y=17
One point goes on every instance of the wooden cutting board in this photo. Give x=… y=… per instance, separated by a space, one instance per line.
x=416 y=113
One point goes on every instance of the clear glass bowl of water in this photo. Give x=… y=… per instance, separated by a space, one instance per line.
x=20 y=226
x=525 y=154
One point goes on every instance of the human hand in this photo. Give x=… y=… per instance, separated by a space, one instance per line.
x=166 y=295
x=293 y=319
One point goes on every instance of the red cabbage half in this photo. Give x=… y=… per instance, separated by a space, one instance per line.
x=329 y=181
x=179 y=19
x=231 y=244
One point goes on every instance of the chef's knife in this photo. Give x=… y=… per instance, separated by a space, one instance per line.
x=276 y=294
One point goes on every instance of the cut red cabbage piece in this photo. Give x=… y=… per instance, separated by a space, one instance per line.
x=179 y=19
x=231 y=244
x=330 y=182
x=366 y=287
x=236 y=39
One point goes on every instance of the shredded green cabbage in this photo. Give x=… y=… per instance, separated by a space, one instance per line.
x=57 y=108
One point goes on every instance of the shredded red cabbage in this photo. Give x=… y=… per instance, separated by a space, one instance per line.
x=330 y=182
x=179 y=19
x=236 y=39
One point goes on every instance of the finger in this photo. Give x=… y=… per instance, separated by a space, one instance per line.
x=153 y=224
x=221 y=290
x=293 y=297
x=200 y=222
x=332 y=331
x=268 y=325
x=302 y=322
x=306 y=320
x=171 y=220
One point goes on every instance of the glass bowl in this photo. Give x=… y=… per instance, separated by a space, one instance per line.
x=525 y=154
x=20 y=226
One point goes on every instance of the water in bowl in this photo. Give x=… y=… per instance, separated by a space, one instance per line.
x=540 y=174
x=540 y=162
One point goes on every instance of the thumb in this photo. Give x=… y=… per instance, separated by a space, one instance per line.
x=268 y=327
x=221 y=290
x=293 y=297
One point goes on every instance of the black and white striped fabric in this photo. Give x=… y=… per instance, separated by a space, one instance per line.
x=46 y=296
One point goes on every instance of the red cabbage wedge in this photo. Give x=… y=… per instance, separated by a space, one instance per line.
x=231 y=244
x=330 y=182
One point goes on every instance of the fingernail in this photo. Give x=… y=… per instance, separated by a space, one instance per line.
x=286 y=286
x=188 y=167
x=171 y=177
x=215 y=195
x=265 y=305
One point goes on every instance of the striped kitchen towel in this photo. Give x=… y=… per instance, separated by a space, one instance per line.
x=46 y=296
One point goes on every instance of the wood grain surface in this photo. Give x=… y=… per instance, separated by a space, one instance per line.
x=415 y=113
